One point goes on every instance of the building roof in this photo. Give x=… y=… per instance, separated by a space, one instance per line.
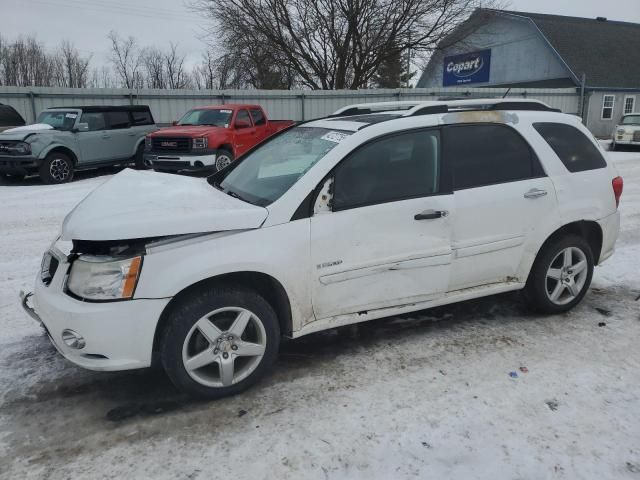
x=607 y=52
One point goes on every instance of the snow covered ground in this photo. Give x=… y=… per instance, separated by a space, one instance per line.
x=425 y=395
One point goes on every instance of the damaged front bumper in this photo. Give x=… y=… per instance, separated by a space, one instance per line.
x=116 y=335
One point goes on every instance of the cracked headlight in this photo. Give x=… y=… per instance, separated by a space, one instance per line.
x=98 y=277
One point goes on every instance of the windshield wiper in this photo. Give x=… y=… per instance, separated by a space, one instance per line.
x=238 y=196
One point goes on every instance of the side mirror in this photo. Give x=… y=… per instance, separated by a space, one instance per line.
x=174 y=123
x=82 y=127
x=242 y=124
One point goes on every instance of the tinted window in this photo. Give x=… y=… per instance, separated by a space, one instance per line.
x=488 y=154
x=142 y=117
x=243 y=117
x=118 y=119
x=258 y=117
x=574 y=148
x=9 y=117
x=393 y=168
x=94 y=120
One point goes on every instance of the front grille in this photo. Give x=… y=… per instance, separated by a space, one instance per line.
x=171 y=144
x=4 y=148
x=636 y=136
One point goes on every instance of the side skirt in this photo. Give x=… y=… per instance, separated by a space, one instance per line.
x=448 y=298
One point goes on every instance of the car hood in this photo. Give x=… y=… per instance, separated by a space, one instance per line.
x=22 y=133
x=141 y=204
x=189 y=131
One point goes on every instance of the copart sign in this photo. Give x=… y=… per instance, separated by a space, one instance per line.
x=474 y=67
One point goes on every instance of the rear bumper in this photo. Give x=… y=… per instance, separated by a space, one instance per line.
x=18 y=165
x=180 y=162
x=610 y=230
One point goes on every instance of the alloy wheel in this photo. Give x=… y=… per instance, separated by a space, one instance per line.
x=566 y=275
x=59 y=169
x=222 y=161
x=224 y=347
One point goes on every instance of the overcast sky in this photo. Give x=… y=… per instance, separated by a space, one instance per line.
x=157 y=22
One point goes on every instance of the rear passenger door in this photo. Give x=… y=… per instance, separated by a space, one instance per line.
x=259 y=124
x=503 y=200
x=245 y=132
x=120 y=145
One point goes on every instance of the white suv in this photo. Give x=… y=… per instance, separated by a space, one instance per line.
x=377 y=210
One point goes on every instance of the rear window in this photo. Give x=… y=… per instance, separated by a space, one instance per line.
x=574 y=148
x=488 y=154
x=142 y=117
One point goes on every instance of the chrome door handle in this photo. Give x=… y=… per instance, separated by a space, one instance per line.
x=430 y=214
x=535 y=193
x=106 y=136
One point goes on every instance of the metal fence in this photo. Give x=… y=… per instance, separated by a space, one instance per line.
x=169 y=105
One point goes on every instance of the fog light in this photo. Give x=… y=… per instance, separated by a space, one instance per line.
x=72 y=339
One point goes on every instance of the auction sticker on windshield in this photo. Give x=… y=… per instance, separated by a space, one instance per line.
x=335 y=137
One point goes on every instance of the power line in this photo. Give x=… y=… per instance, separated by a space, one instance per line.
x=101 y=9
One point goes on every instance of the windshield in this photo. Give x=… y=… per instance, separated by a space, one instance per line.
x=214 y=117
x=58 y=119
x=266 y=173
x=631 y=120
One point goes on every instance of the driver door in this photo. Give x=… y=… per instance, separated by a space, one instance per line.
x=94 y=141
x=385 y=239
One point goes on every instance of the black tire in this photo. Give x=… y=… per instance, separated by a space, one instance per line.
x=56 y=168
x=223 y=158
x=139 y=158
x=200 y=303
x=536 y=291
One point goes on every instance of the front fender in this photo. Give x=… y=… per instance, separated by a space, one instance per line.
x=46 y=150
x=281 y=252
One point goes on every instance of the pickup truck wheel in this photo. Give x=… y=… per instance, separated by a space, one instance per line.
x=219 y=341
x=560 y=276
x=56 y=168
x=223 y=159
x=139 y=158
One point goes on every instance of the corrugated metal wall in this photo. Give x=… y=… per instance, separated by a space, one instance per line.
x=168 y=105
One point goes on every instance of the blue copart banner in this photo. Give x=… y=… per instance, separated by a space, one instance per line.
x=473 y=67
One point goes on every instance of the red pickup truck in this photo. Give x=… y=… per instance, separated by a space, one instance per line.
x=209 y=138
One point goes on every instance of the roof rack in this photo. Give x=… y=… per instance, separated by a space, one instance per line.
x=434 y=107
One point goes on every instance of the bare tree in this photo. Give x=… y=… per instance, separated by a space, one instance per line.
x=174 y=67
x=335 y=44
x=126 y=59
x=75 y=68
x=153 y=62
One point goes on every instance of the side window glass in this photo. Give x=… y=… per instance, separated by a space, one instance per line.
x=574 y=148
x=482 y=155
x=118 y=119
x=141 y=117
x=393 y=168
x=258 y=117
x=94 y=120
x=242 y=119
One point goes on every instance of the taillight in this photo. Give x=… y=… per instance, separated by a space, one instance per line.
x=617 y=183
